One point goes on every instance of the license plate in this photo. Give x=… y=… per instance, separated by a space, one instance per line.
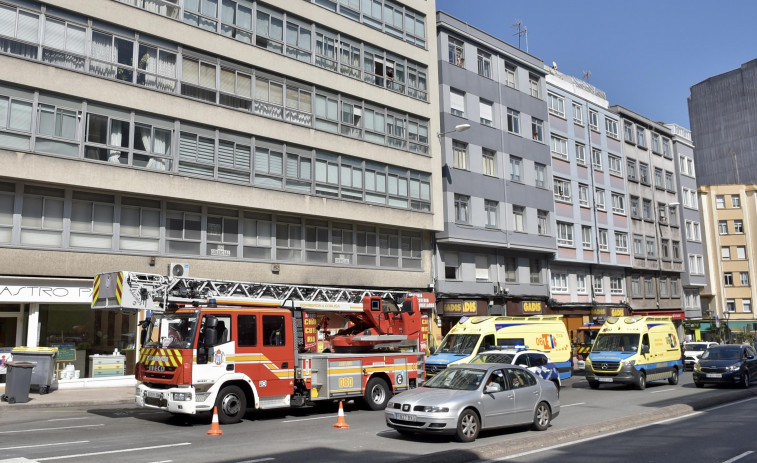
x=405 y=417
x=714 y=375
x=154 y=395
x=604 y=380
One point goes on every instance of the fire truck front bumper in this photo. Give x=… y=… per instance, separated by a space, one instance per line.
x=174 y=400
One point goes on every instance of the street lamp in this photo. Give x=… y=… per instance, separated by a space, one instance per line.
x=727 y=315
x=458 y=128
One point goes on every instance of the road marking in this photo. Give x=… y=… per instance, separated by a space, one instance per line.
x=164 y=461
x=69 y=419
x=53 y=429
x=573 y=405
x=739 y=457
x=662 y=390
x=258 y=460
x=44 y=445
x=139 y=449
x=731 y=403
x=307 y=419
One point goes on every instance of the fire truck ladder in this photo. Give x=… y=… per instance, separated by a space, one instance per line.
x=147 y=291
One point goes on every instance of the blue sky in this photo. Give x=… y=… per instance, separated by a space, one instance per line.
x=644 y=54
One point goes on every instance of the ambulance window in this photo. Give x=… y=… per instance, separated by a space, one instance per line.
x=645 y=340
x=488 y=342
x=274 y=330
x=247 y=328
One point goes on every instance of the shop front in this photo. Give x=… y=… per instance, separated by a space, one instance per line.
x=55 y=312
x=452 y=310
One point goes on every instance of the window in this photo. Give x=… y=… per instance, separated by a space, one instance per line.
x=559 y=282
x=556 y=104
x=513 y=121
x=693 y=231
x=542 y=222
x=460 y=154
x=491 y=207
x=646 y=209
x=611 y=126
x=662 y=213
x=596 y=159
x=536 y=271
x=580 y=154
x=735 y=201
x=669 y=181
x=728 y=279
x=486 y=111
x=578 y=113
x=635 y=211
x=298 y=40
x=388 y=248
x=665 y=248
x=462 y=208
x=21 y=25
x=723 y=227
x=656 y=143
x=615 y=165
x=602 y=238
x=725 y=252
x=510 y=75
x=594 y=120
x=113 y=57
x=15 y=121
x=537 y=129
x=289 y=241
x=581 y=283
x=644 y=173
x=270 y=30
x=738 y=226
x=456 y=51
x=635 y=286
x=628 y=131
x=720 y=201
x=730 y=305
x=511 y=270
x=658 y=182
x=482 y=268
x=673 y=215
x=140 y=225
x=198 y=79
x=744 y=276
x=484 y=64
x=621 y=242
x=741 y=252
x=651 y=248
x=562 y=190
x=183 y=229
x=60 y=125
x=696 y=264
x=489 y=167
x=599 y=199
x=222 y=233
x=598 y=285
x=641 y=137
x=649 y=287
x=236 y=21
x=677 y=251
x=746 y=304
x=586 y=242
x=515 y=168
x=540 y=172
x=664 y=287
x=565 y=234
x=451 y=266
x=674 y=287
x=457 y=102
x=533 y=86
x=616 y=285
x=247 y=330
x=687 y=165
x=631 y=170
x=666 y=148
x=583 y=194
x=559 y=146
x=518 y=218
x=638 y=246
x=274 y=330
x=91 y=220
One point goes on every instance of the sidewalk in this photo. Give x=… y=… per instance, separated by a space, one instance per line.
x=85 y=397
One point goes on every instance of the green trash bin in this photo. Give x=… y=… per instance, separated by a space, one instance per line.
x=44 y=372
x=18 y=382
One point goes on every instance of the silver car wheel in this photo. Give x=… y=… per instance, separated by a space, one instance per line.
x=542 y=416
x=468 y=426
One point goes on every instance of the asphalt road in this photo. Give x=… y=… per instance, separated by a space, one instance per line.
x=138 y=435
x=718 y=435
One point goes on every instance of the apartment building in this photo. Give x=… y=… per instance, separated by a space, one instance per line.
x=491 y=257
x=693 y=278
x=654 y=280
x=273 y=141
x=587 y=276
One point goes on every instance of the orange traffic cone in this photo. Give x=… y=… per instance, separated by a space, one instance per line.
x=340 y=421
x=215 y=429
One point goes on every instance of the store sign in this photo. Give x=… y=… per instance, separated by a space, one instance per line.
x=10 y=293
x=532 y=307
x=610 y=312
x=464 y=307
x=425 y=300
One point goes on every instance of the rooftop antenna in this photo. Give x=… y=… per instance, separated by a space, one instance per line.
x=587 y=76
x=522 y=32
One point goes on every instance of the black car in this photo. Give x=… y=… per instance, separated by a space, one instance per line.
x=726 y=364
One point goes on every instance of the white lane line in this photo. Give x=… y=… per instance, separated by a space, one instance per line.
x=739 y=457
x=257 y=461
x=70 y=419
x=164 y=461
x=307 y=419
x=138 y=449
x=53 y=429
x=662 y=390
x=573 y=405
x=731 y=403
x=44 y=445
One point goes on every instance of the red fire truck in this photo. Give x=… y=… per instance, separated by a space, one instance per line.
x=238 y=345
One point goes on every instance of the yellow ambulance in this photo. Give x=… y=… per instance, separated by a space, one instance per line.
x=635 y=350
x=546 y=333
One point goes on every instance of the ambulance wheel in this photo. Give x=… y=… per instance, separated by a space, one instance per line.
x=593 y=384
x=542 y=417
x=673 y=380
x=467 y=426
x=231 y=404
x=641 y=381
x=377 y=394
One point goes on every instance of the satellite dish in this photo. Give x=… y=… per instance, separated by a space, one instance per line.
x=554 y=65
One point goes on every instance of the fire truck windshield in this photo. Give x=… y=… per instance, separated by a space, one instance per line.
x=172 y=330
x=458 y=344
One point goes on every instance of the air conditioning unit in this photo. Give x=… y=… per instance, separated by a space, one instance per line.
x=178 y=269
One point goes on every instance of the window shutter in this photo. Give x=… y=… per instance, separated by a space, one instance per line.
x=7 y=20
x=486 y=110
x=55 y=34
x=206 y=150
x=28 y=27
x=187 y=146
x=457 y=101
x=21 y=115
x=225 y=153
x=227 y=81
x=277 y=163
x=243 y=157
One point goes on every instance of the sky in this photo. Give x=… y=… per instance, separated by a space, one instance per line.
x=644 y=54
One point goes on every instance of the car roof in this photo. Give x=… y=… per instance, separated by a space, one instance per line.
x=485 y=366
x=511 y=351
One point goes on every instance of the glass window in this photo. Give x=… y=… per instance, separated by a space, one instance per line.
x=513 y=121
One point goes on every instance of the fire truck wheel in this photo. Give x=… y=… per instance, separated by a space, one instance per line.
x=231 y=404
x=377 y=394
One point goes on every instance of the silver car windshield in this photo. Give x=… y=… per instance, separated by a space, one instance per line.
x=458 y=344
x=461 y=379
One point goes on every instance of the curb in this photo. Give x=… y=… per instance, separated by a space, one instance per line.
x=490 y=451
x=66 y=403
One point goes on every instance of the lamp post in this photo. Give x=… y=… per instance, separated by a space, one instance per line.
x=727 y=315
x=458 y=128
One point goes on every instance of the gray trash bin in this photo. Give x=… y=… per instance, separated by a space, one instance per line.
x=17 y=382
x=44 y=373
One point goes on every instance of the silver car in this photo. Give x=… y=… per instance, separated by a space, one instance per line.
x=463 y=399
